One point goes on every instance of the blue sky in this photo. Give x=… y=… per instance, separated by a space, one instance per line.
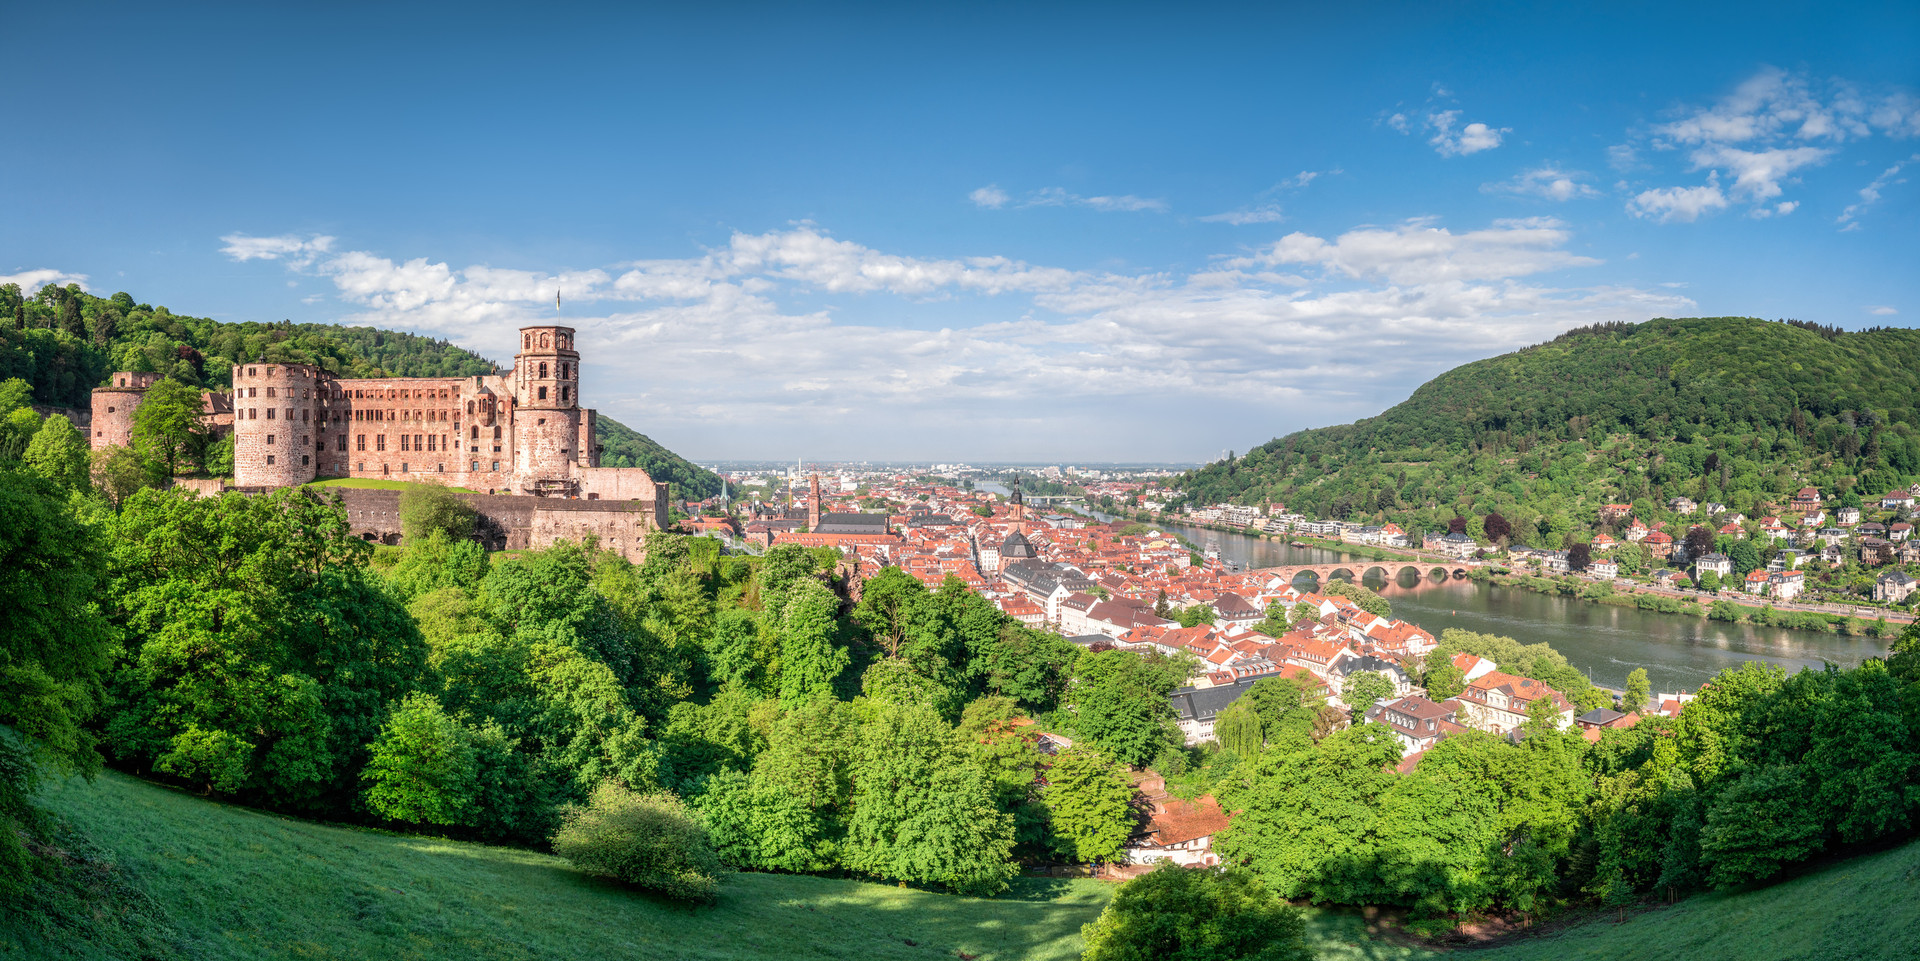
x=974 y=231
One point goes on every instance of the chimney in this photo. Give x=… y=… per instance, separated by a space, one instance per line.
x=813 y=506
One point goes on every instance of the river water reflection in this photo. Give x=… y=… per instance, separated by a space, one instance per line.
x=1679 y=652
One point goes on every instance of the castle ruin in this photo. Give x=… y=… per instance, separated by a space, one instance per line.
x=520 y=433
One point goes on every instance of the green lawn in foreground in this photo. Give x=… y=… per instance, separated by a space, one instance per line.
x=224 y=882
x=237 y=883
x=379 y=484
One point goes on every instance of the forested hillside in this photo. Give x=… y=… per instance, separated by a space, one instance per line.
x=64 y=341
x=1732 y=409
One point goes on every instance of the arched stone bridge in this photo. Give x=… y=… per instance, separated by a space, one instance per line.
x=1358 y=570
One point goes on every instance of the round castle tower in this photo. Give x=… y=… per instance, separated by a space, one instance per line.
x=275 y=424
x=546 y=382
x=113 y=408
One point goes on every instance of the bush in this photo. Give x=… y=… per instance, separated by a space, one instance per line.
x=425 y=508
x=1174 y=914
x=650 y=841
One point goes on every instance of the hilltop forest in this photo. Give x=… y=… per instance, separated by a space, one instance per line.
x=64 y=342
x=1730 y=409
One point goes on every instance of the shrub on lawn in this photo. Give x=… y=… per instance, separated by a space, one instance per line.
x=650 y=841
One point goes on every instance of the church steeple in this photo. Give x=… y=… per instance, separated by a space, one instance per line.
x=1019 y=509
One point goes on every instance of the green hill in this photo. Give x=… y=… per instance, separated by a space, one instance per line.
x=1729 y=409
x=65 y=341
x=159 y=874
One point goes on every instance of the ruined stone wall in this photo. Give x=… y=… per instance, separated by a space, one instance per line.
x=510 y=522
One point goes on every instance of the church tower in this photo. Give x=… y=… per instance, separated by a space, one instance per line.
x=1019 y=508
x=813 y=505
x=546 y=418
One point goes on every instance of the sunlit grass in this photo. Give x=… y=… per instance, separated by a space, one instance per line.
x=198 y=879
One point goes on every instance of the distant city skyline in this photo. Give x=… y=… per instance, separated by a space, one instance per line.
x=1078 y=235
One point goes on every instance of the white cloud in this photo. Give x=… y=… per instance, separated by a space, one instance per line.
x=1400 y=123
x=990 y=196
x=1757 y=173
x=1623 y=156
x=1263 y=214
x=712 y=354
x=1881 y=310
x=31 y=281
x=293 y=249
x=1548 y=182
x=1472 y=138
x=1683 y=204
x=1870 y=194
x=1418 y=253
x=1774 y=124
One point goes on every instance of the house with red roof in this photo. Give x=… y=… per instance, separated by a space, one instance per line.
x=1499 y=702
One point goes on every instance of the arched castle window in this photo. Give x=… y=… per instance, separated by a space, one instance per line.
x=543 y=342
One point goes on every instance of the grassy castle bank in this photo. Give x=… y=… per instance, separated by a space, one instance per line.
x=157 y=873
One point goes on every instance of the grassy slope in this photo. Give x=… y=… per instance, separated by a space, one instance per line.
x=226 y=882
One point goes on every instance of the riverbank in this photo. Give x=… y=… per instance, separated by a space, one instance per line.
x=1719 y=607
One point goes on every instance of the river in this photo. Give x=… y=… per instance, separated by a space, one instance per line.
x=1680 y=652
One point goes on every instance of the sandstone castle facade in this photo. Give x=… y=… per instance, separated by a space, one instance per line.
x=519 y=433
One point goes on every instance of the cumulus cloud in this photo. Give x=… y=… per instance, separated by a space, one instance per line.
x=31 y=281
x=1683 y=204
x=1870 y=194
x=1881 y=310
x=716 y=347
x=1547 y=182
x=990 y=196
x=1771 y=126
x=1472 y=138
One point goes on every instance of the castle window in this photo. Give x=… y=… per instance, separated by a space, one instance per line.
x=269 y=413
x=253 y=372
x=289 y=413
x=544 y=342
x=109 y=410
x=543 y=371
x=269 y=460
x=403 y=442
x=469 y=407
x=496 y=433
x=442 y=468
x=403 y=468
x=303 y=416
x=269 y=438
x=431 y=442
x=416 y=442
x=476 y=432
x=564 y=367
x=541 y=421
x=269 y=372
x=269 y=392
x=563 y=395
x=341 y=443
x=543 y=393
x=305 y=460
x=526 y=342
x=123 y=382
x=379 y=442
x=496 y=465
x=476 y=465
